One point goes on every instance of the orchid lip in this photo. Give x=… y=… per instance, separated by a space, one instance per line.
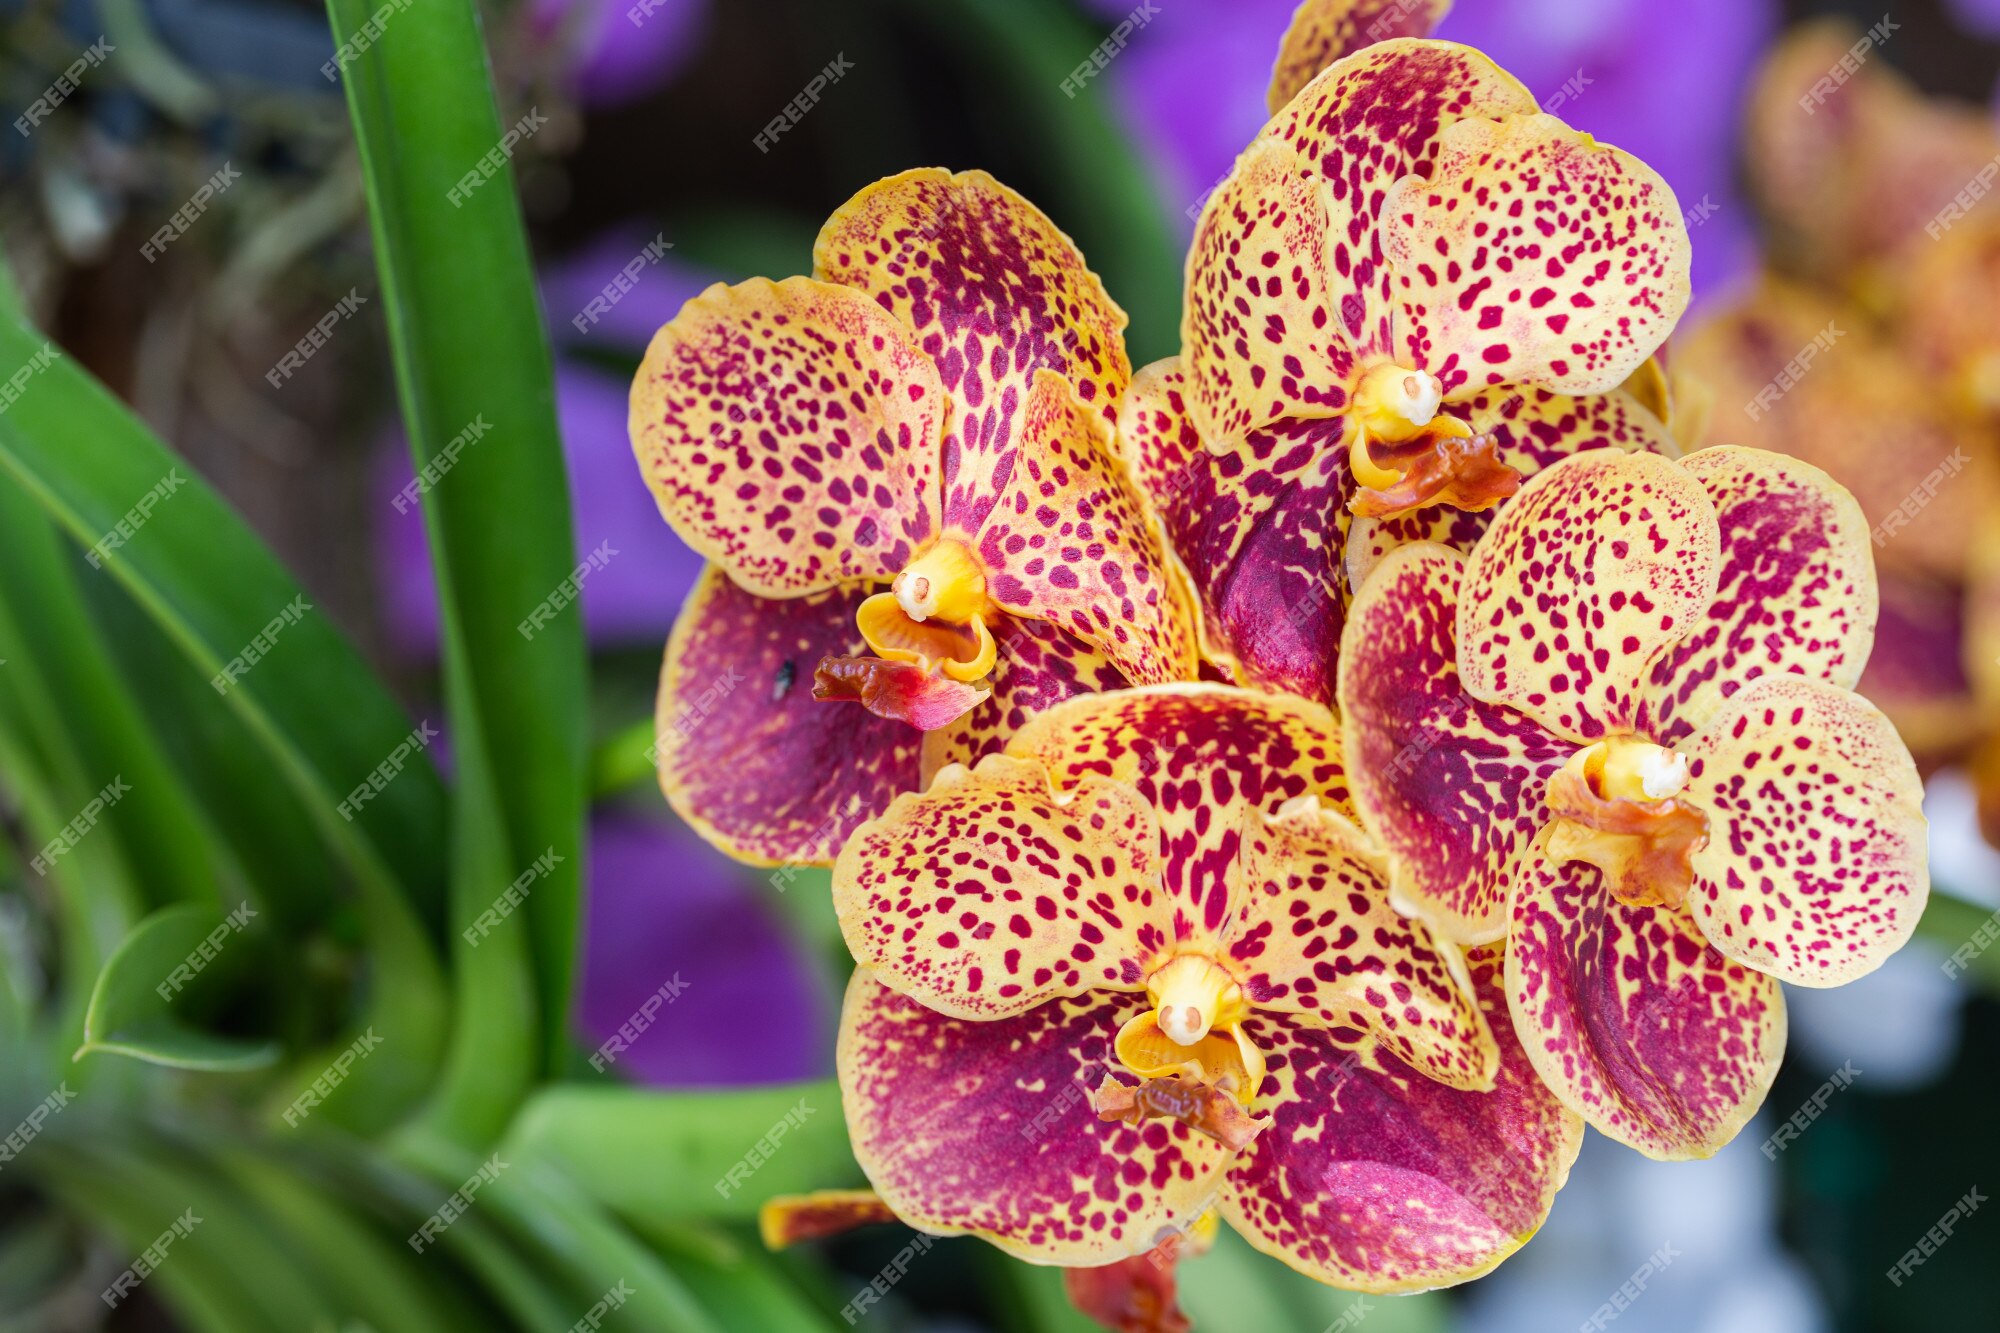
x=1396 y=402
x=1617 y=805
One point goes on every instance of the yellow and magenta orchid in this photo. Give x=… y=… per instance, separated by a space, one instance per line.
x=1620 y=736
x=1414 y=289
x=1142 y=961
x=931 y=411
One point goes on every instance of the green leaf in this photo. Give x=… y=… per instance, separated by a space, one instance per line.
x=1964 y=931
x=472 y=366
x=168 y=964
x=206 y=579
x=658 y=1157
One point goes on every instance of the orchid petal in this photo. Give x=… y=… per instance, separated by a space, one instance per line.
x=1323 y=31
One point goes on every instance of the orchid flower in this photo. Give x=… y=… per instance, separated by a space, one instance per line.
x=930 y=412
x=1620 y=735
x=1141 y=961
x=1414 y=289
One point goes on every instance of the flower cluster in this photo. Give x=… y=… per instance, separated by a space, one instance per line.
x=1305 y=782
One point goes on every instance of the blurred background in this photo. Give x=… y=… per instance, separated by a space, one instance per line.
x=651 y=155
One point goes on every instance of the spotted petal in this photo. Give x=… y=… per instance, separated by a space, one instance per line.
x=1375 y=1178
x=1362 y=124
x=1068 y=540
x=1815 y=866
x=1532 y=429
x=993 y=292
x=1260 y=336
x=1587 y=572
x=1311 y=933
x=1201 y=756
x=747 y=756
x=989 y=893
x=1323 y=31
x=789 y=432
x=1629 y=1017
x=1451 y=786
x=1534 y=255
x=987 y=1128
x=1795 y=590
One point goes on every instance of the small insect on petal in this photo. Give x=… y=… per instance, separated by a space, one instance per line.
x=1206 y=1110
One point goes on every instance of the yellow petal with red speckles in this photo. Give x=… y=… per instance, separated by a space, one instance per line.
x=1261 y=339
x=987 y=1128
x=1597 y=563
x=1069 y=540
x=747 y=756
x=1450 y=786
x=1533 y=428
x=1795 y=591
x=1375 y=1178
x=1815 y=867
x=1311 y=933
x=989 y=894
x=789 y=432
x=1200 y=755
x=1632 y=1020
x=1323 y=31
x=1534 y=255
x=993 y=291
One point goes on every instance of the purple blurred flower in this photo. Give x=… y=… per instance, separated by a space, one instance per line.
x=665 y=908
x=1665 y=82
x=633 y=598
x=623 y=49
